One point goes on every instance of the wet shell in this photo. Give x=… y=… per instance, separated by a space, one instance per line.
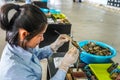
x=95 y=49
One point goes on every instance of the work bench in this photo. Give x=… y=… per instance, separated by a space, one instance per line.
x=87 y=73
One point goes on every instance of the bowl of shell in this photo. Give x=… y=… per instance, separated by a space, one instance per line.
x=96 y=52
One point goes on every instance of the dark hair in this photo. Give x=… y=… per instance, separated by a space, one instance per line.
x=28 y=17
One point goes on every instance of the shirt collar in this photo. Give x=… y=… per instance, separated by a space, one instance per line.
x=20 y=52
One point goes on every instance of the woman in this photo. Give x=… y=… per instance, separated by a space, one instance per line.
x=24 y=31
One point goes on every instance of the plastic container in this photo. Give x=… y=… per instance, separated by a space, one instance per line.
x=44 y=10
x=52 y=11
x=55 y=11
x=58 y=11
x=44 y=0
x=91 y=58
x=100 y=71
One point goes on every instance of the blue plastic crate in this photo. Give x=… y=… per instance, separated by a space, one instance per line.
x=44 y=10
x=44 y=0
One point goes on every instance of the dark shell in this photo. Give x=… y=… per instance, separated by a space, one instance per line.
x=95 y=49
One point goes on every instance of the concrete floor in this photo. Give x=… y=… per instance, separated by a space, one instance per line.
x=88 y=23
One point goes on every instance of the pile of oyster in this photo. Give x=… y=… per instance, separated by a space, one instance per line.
x=95 y=49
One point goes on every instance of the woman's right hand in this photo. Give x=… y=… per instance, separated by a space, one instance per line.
x=70 y=57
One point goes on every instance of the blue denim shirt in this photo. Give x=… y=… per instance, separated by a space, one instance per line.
x=19 y=64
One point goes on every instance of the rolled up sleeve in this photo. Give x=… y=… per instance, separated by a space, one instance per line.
x=60 y=75
x=44 y=52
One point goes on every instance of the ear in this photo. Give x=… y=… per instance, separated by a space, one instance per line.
x=22 y=34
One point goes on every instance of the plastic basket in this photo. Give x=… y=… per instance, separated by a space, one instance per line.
x=91 y=58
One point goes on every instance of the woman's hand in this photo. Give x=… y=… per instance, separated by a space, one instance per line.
x=63 y=38
x=70 y=57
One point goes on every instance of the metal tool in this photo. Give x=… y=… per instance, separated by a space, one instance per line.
x=74 y=43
